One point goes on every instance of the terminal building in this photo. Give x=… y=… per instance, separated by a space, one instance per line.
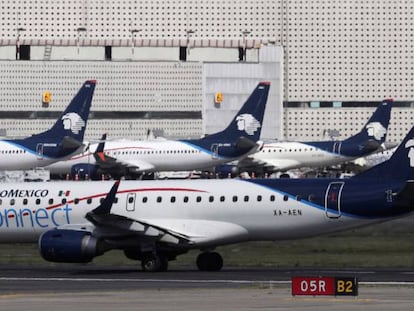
x=162 y=65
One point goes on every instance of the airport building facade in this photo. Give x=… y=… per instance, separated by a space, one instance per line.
x=162 y=65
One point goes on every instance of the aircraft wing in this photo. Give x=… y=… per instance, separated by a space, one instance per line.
x=174 y=231
x=110 y=163
x=273 y=164
x=136 y=165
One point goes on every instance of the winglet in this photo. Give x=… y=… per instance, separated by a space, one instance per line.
x=105 y=207
x=100 y=149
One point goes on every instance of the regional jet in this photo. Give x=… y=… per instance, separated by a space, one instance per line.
x=132 y=158
x=61 y=141
x=155 y=221
x=283 y=156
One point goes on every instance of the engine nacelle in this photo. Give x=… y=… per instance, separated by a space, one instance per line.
x=227 y=169
x=68 y=246
x=84 y=170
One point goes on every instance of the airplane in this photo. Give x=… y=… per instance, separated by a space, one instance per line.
x=156 y=221
x=132 y=158
x=62 y=140
x=287 y=155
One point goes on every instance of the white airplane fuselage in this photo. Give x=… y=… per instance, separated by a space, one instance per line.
x=212 y=212
x=16 y=157
x=148 y=156
x=289 y=155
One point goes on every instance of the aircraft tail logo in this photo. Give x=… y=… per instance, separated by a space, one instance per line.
x=246 y=122
x=376 y=130
x=73 y=122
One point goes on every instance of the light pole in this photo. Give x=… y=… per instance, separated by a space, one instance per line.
x=188 y=33
x=19 y=30
x=133 y=32
x=245 y=34
x=79 y=30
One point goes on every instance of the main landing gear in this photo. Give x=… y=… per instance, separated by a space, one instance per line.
x=209 y=261
x=154 y=263
x=206 y=261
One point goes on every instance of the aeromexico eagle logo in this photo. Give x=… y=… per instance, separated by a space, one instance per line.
x=376 y=130
x=72 y=121
x=246 y=122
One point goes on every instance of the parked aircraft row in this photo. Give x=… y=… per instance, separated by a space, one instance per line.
x=61 y=151
x=132 y=157
x=156 y=221
x=239 y=142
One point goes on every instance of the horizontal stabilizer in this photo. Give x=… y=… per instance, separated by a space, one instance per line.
x=406 y=195
x=245 y=143
x=70 y=143
x=371 y=145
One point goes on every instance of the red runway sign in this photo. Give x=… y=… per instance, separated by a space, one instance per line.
x=328 y=286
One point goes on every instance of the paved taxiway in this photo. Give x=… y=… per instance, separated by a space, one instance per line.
x=72 y=287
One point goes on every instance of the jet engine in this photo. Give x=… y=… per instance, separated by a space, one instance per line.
x=225 y=170
x=84 y=170
x=68 y=246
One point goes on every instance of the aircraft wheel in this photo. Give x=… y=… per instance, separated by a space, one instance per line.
x=154 y=263
x=164 y=263
x=209 y=261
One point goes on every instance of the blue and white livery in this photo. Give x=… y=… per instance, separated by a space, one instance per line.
x=155 y=221
x=61 y=141
x=282 y=156
x=129 y=157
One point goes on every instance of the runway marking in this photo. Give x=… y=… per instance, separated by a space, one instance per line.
x=264 y=282
x=145 y=280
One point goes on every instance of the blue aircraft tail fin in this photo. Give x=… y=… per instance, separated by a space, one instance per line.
x=400 y=166
x=248 y=121
x=72 y=122
x=374 y=133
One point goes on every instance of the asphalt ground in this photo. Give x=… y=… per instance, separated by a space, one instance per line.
x=73 y=287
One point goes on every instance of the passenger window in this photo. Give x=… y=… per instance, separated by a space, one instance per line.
x=298 y=198
x=12 y=201
x=246 y=198
x=211 y=199
x=159 y=199
x=185 y=199
x=50 y=201
x=37 y=201
x=311 y=198
x=130 y=200
x=24 y=201
x=272 y=198
x=198 y=199
x=144 y=199
x=89 y=201
x=285 y=197
x=234 y=198
x=222 y=198
x=172 y=199
x=64 y=201
x=259 y=198
x=76 y=201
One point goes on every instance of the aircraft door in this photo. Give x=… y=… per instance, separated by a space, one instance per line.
x=214 y=151
x=39 y=151
x=333 y=200
x=337 y=147
x=130 y=202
